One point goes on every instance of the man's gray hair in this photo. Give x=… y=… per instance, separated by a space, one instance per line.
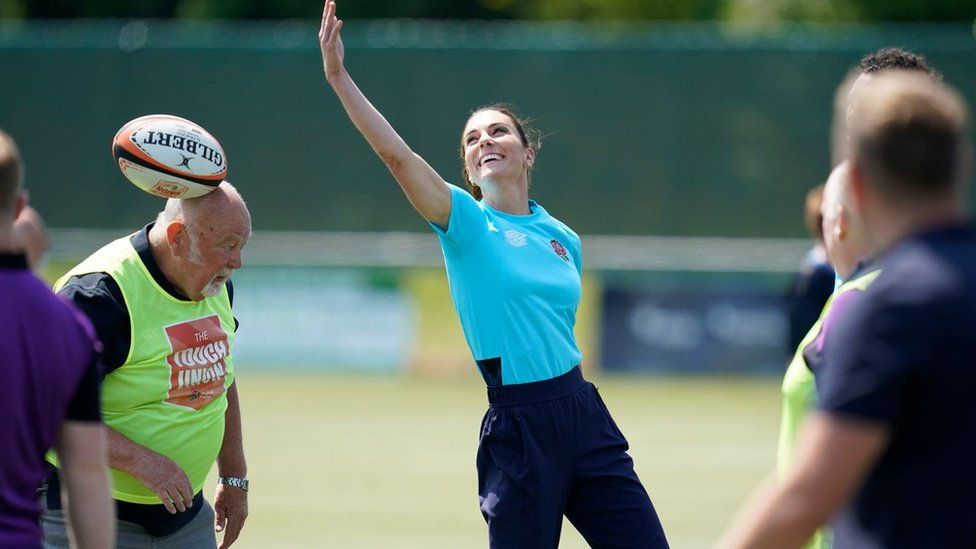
x=172 y=212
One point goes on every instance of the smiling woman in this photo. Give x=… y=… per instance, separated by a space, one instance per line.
x=548 y=445
x=503 y=126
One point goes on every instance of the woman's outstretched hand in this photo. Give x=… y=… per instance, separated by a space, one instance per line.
x=330 y=42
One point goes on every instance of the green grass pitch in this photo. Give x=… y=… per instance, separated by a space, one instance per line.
x=388 y=462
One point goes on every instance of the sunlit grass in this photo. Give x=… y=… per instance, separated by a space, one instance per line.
x=339 y=461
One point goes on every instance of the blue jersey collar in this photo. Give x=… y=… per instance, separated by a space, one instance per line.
x=536 y=212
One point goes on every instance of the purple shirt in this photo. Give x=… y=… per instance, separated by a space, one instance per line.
x=49 y=374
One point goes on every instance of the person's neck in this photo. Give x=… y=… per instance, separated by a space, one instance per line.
x=511 y=197
x=846 y=267
x=898 y=224
x=8 y=244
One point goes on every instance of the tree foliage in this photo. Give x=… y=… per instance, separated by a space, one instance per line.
x=851 y=11
x=758 y=11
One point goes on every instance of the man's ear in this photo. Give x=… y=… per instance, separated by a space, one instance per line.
x=842 y=227
x=176 y=237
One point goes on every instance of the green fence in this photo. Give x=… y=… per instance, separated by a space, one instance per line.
x=665 y=129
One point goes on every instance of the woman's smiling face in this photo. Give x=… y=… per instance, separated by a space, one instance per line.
x=493 y=148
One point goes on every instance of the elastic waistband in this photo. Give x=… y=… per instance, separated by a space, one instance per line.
x=536 y=391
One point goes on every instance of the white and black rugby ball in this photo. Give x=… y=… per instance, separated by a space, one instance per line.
x=169 y=156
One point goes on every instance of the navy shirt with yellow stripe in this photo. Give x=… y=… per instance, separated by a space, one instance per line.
x=901 y=358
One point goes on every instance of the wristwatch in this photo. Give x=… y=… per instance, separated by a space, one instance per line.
x=233 y=481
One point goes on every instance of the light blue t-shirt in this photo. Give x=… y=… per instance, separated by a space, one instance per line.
x=515 y=282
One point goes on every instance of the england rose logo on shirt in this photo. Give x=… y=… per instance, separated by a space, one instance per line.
x=196 y=365
x=559 y=249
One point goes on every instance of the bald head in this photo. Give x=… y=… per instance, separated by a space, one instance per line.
x=11 y=174
x=224 y=200
x=199 y=242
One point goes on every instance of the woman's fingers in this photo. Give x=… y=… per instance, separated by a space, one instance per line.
x=328 y=16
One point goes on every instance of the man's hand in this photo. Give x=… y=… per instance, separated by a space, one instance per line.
x=163 y=476
x=230 y=506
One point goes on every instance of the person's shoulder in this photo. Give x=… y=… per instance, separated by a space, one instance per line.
x=87 y=281
x=97 y=295
x=564 y=227
x=558 y=224
x=111 y=252
x=95 y=286
x=76 y=316
x=459 y=193
x=463 y=204
x=928 y=269
x=916 y=291
x=71 y=320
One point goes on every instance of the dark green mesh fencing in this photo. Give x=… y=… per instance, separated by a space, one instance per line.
x=684 y=130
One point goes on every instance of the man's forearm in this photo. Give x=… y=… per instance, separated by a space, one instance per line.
x=85 y=491
x=834 y=456
x=87 y=502
x=155 y=471
x=125 y=455
x=230 y=460
x=775 y=519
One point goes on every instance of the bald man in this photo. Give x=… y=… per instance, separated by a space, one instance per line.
x=160 y=301
x=847 y=249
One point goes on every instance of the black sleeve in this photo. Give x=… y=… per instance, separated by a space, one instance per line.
x=99 y=297
x=230 y=296
x=85 y=405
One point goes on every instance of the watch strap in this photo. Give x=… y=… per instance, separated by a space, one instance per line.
x=236 y=482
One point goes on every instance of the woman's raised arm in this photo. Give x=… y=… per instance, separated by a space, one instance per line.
x=425 y=189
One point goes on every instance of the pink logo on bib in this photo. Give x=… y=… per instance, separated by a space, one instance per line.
x=196 y=365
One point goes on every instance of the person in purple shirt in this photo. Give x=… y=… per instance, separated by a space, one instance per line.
x=890 y=452
x=49 y=393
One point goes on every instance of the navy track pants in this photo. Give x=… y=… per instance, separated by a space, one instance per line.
x=548 y=449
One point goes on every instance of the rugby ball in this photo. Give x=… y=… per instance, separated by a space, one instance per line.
x=169 y=156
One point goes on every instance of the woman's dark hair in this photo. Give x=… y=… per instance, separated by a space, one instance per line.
x=812 y=216
x=530 y=137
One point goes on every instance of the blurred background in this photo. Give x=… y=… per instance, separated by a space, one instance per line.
x=681 y=139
